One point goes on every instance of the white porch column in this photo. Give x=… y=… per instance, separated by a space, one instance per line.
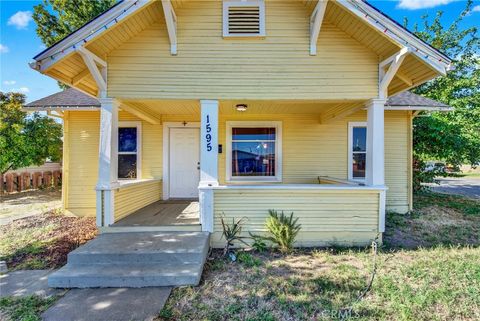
x=375 y=143
x=107 y=161
x=208 y=161
x=209 y=143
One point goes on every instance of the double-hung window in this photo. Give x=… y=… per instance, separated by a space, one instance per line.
x=254 y=151
x=129 y=138
x=357 y=150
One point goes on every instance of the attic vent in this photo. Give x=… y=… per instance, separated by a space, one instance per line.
x=243 y=18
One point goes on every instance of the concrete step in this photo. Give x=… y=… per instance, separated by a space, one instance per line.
x=167 y=248
x=125 y=275
x=135 y=259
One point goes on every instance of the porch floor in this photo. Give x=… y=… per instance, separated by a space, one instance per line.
x=171 y=212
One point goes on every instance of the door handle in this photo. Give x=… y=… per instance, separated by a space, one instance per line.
x=198 y=165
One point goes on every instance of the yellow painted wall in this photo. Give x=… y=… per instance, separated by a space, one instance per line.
x=131 y=198
x=310 y=149
x=210 y=67
x=327 y=217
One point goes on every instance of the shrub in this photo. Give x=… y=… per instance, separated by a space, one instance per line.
x=283 y=230
x=231 y=233
x=258 y=243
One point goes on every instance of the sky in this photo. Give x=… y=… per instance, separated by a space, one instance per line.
x=19 y=42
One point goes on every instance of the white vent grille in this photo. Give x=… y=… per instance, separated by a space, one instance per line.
x=244 y=18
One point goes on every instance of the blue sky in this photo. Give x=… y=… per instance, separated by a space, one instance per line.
x=19 y=42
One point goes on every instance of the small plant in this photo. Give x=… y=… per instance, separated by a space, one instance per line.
x=232 y=233
x=248 y=259
x=258 y=243
x=283 y=229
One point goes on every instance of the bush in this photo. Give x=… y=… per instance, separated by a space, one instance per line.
x=232 y=233
x=282 y=229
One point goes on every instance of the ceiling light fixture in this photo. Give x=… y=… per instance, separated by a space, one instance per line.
x=241 y=107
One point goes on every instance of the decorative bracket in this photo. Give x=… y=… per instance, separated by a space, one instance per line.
x=97 y=67
x=385 y=77
x=171 y=22
x=316 y=20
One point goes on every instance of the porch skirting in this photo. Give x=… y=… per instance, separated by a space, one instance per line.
x=328 y=214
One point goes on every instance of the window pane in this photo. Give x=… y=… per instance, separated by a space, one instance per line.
x=127 y=166
x=359 y=165
x=253 y=159
x=359 y=139
x=127 y=139
x=253 y=133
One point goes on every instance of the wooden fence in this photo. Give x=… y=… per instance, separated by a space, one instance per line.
x=18 y=182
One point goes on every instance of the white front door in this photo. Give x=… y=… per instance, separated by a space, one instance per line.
x=184 y=162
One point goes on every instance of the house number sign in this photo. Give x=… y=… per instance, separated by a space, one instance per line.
x=208 y=136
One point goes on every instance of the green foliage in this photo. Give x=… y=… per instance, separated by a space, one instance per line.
x=26 y=141
x=282 y=229
x=258 y=243
x=56 y=19
x=420 y=175
x=26 y=308
x=454 y=136
x=231 y=233
x=248 y=259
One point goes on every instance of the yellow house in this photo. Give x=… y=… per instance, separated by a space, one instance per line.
x=211 y=108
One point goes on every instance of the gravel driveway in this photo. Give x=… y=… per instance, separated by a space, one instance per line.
x=465 y=186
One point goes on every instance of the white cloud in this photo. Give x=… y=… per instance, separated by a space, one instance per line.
x=4 y=49
x=21 y=89
x=476 y=9
x=9 y=82
x=21 y=19
x=421 y=4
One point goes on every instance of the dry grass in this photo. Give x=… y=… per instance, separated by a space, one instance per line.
x=43 y=241
x=436 y=282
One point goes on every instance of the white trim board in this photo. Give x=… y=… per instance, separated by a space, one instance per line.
x=166 y=152
x=278 y=151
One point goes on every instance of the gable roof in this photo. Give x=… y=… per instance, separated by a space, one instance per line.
x=72 y=99
x=67 y=99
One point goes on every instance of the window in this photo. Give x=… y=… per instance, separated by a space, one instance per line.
x=357 y=150
x=244 y=18
x=254 y=151
x=129 y=134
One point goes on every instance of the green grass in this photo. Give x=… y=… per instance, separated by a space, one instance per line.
x=464 y=205
x=434 y=281
x=26 y=308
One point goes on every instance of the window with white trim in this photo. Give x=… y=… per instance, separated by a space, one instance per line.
x=129 y=138
x=244 y=18
x=357 y=150
x=254 y=151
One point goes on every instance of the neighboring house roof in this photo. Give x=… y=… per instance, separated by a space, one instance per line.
x=410 y=101
x=67 y=99
x=75 y=100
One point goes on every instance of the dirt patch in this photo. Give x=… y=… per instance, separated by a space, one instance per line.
x=24 y=204
x=44 y=240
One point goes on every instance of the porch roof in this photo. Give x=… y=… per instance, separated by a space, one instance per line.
x=72 y=99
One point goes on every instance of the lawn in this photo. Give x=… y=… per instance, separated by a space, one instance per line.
x=43 y=241
x=427 y=269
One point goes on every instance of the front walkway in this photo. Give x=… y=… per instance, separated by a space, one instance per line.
x=171 y=212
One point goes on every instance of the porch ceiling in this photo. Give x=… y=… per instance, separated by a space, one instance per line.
x=157 y=108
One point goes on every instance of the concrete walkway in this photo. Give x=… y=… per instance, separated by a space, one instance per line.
x=112 y=304
x=27 y=282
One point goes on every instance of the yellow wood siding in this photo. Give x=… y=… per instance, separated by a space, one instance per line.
x=209 y=66
x=82 y=137
x=310 y=149
x=131 y=198
x=342 y=217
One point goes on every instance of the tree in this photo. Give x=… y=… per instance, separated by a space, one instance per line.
x=26 y=141
x=56 y=19
x=454 y=136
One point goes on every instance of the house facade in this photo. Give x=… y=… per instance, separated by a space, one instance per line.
x=238 y=107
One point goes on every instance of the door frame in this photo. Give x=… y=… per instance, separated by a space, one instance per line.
x=166 y=152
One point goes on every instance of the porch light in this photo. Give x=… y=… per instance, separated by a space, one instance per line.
x=241 y=107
